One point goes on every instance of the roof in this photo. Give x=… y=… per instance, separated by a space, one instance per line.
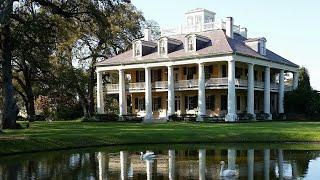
x=219 y=44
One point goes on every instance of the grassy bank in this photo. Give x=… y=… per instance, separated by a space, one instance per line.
x=43 y=136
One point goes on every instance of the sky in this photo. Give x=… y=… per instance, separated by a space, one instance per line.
x=291 y=27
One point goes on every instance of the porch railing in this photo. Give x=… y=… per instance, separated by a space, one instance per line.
x=193 y=83
x=137 y=86
x=212 y=82
x=160 y=85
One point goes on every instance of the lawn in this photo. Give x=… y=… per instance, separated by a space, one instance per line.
x=42 y=136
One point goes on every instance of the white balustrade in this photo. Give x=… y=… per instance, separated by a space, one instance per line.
x=193 y=83
x=186 y=84
x=274 y=86
x=160 y=85
x=259 y=84
x=112 y=87
x=288 y=88
x=217 y=82
x=137 y=86
x=197 y=28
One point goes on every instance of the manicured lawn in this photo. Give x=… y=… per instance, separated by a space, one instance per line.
x=74 y=134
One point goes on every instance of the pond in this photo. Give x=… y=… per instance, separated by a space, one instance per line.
x=169 y=162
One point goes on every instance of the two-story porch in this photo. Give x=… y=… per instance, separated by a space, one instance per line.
x=183 y=94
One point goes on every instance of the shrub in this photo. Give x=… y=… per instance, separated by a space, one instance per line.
x=69 y=112
x=109 y=117
x=37 y=118
x=132 y=118
x=175 y=117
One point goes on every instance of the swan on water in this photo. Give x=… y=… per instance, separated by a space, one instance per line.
x=227 y=172
x=147 y=156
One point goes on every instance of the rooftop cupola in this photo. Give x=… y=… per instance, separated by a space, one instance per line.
x=257 y=44
x=199 y=16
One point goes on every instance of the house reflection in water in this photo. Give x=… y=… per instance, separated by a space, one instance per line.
x=168 y=164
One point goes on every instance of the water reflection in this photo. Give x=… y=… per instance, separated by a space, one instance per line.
x=167 y=164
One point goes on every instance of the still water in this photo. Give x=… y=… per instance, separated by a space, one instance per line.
x=191 y=162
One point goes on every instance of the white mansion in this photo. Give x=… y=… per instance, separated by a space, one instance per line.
x=206 y=67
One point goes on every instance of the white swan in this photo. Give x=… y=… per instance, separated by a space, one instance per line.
x=227 y=172
x=147 y=156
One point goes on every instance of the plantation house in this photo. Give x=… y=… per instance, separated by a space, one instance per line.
x=206 y=67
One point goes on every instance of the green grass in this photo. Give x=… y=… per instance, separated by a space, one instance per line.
x=42 y=136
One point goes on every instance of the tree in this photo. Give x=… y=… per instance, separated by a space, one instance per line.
x=154 y=27
x=99 y=42
x=10 y=109
x=303 y=100
x=74 y=11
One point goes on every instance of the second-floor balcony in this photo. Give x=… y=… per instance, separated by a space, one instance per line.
x=192 y=84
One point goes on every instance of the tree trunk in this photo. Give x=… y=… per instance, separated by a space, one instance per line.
x=10 y=109
x=30 y=96
x=91 y=84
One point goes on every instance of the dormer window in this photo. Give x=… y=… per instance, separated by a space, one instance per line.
x=162 y=47
x=137 y=51
x=190 y=43
x=167 y=45
x=195 y=42
x=141 y=48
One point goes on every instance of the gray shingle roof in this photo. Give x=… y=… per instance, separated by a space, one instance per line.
x=219 y=44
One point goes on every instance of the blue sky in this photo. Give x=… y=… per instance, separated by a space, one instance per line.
x=292 y=27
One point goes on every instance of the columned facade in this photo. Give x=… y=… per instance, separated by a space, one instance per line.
x=159 y=93
x=250 y=90
x=266 y=104
x=148 y=95
x=122 y=93
x=281 y=92
x=201 y=92
x=171 y=96
x=100 y=100
x=231 y=116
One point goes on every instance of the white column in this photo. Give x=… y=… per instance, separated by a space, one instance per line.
x=250 y=90
x=122 y=93
x=266 y=165
x=232 y=154
x=201 y=92
x=250 y=161
x=148 y=95
x=295 y=80
x=280 y=163
x=231 y=116
x=102 y=165
x=172 y=164
x=266 y=102
x=281 y=92
x=202 y=164
x=123 y=164
x=149 y=164
x=100 y=100
x=171 y=96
